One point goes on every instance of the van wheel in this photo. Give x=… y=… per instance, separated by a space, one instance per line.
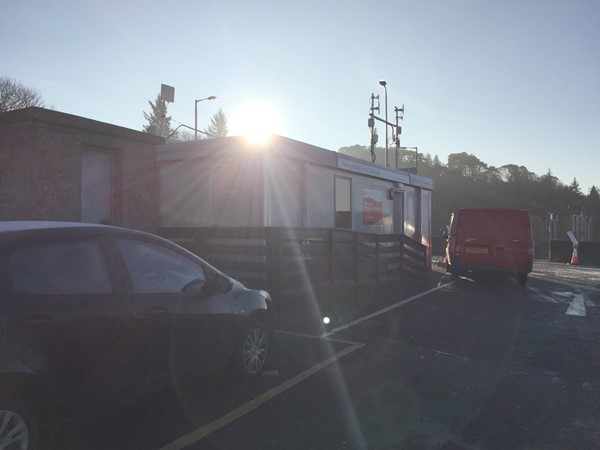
x=452 y=270
x=522 y=278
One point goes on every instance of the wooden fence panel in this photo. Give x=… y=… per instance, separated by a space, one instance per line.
x=414 y=259
x=291 y=260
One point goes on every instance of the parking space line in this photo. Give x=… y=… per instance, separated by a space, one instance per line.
x=383 y=311
x=202 y=432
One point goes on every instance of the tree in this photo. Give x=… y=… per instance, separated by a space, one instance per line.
x=491 y=175
x=357 y=150
x=14 y=95
x=511 y=173
x=574 y=186
x=592 y=204
x=549 y=181
x=467 y=165
x=218 y=125
x=185 y=136
x=158 y=113
x=427 y=160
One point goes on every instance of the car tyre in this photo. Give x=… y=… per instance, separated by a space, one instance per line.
x=252 y=350
x=522 y=278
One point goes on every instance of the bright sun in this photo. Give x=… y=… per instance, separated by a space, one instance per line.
x=256 y=121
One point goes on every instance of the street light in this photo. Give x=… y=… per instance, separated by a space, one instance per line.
x=384 y=84
x=212 y=97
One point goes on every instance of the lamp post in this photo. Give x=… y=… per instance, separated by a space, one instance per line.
x=212 y=97
x=384 y=84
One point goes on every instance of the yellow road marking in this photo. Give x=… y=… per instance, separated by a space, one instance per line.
x=202 y=432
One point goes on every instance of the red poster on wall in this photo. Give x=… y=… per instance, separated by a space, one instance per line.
x=372 y=207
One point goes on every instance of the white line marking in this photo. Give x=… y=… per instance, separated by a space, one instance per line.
x=566 y=282
x=383 y=311
x=564 y=294
x=577 y=306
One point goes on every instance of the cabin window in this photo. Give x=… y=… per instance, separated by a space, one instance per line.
x=343 y=202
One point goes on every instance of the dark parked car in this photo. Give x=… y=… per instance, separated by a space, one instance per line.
x=94 y=316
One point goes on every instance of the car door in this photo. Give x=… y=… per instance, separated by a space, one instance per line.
x=64 y=317
x=181 y=320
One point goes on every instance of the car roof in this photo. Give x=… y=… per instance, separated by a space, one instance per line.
x=21 y=225
x=12 y=231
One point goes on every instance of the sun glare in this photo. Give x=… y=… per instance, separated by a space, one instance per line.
x=256 y=121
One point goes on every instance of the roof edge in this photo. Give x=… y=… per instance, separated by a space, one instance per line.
x=34 y=113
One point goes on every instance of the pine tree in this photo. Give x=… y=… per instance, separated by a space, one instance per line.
x=218 y=125
x=593 y=204
x=574 y=187
x=158 y=112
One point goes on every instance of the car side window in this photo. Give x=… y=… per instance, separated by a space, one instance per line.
x=157 y=269
x=76 y=267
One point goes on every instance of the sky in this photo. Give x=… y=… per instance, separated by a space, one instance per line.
x=511 y=81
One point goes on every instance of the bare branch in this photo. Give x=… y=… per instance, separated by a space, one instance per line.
x=14 y=95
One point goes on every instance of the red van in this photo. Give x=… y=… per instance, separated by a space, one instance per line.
x=490 y=240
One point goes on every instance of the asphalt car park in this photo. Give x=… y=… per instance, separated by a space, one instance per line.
x=473 y=364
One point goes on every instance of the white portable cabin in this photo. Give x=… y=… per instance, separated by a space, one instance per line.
x=286 y=183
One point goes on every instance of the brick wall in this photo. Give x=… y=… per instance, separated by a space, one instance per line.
x=41 y=168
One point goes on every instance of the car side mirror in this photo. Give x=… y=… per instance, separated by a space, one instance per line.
x=222 y=283
x=195 y=286
x=444 y=233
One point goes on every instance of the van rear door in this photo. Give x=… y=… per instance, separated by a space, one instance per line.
x=475 y=237
x=512 y=239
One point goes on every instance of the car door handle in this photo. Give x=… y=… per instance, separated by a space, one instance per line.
x=156 y=312
x=32 y=320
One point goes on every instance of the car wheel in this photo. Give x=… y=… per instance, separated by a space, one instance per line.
x=17 y=428
x=452 y=271
x=252 y=350
x=522 y=278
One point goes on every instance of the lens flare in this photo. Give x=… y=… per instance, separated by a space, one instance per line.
x=257 y=121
